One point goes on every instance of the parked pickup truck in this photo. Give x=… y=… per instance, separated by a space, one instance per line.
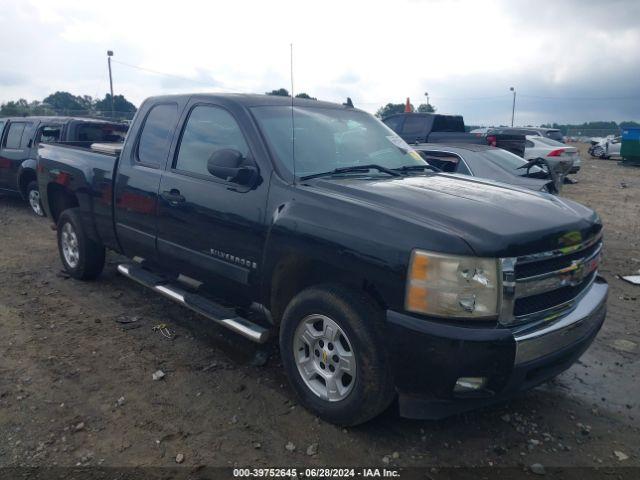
x=420 y=128
x=19 y=139
x=380 y=277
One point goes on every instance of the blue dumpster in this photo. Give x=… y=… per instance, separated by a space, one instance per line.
x=630 y=148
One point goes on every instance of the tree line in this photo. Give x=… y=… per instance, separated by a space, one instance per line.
x=382 y=112
x=67 y=104
x=603 y=126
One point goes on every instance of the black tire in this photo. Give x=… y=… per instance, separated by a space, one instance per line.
x=90 y=254
x=33 y=190
x=598 y=152
x=361 y=321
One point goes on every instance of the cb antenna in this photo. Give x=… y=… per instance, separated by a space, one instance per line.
x=293 y=129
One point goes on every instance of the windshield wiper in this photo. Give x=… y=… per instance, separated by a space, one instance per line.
x=417 y=168
x=354 y=168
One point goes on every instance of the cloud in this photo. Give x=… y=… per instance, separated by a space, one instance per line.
x=11 y=79
x=460 y=52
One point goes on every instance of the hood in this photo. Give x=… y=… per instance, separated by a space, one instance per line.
x=494 y=220
x=535 y=184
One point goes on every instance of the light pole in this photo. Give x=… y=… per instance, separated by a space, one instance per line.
x=513 y=109
x=109 y=55
x=426 y=94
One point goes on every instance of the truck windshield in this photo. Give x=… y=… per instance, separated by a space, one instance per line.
x=330 y=138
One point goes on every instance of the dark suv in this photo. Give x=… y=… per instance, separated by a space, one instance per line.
x=552 y=133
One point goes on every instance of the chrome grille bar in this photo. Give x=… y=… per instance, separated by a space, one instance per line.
x=579 y=274
x=571 y=275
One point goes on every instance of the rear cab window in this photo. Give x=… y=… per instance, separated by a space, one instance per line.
x=100 y=132
x=448 y=123
x=155 y=138
x=49 y=133
x=394 y=123
x=414 y=125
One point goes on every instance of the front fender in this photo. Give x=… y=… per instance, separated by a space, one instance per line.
x=336 y=241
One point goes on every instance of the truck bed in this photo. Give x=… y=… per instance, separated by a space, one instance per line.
x=86 y=173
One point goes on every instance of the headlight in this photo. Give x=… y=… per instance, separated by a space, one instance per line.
x=452 y=286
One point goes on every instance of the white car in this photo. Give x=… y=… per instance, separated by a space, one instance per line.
x=606 y=148
x=545 y=148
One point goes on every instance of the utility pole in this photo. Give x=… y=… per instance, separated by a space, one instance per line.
x=109 y=55
x=513 y=109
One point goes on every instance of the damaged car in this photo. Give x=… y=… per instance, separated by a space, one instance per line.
x=491 y=163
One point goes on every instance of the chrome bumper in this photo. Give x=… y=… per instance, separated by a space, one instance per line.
x=582 y=320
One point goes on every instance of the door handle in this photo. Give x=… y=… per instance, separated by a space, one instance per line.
x=173 y=196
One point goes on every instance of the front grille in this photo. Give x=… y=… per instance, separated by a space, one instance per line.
x=539 y=267
x=547 y=300
x=543 y=286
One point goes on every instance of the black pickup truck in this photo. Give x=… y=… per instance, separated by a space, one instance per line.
x=421 y=128
x=429 y=128
x=316 y=223
x=19 y=138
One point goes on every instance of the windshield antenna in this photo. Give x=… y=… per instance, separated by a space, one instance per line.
x=293 y=129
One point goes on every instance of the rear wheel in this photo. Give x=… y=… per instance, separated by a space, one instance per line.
x=333 y=354
x=81 y=256
x=33 y=197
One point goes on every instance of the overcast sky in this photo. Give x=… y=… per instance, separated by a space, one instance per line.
x=570 y=61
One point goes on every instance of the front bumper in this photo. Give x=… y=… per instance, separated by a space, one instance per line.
x=429 y=357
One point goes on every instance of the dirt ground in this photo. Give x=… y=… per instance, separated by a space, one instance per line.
x=76 y=386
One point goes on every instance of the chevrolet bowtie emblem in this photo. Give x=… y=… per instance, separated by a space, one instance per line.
x=573 y=275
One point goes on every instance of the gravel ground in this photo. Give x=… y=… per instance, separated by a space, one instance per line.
x=76 y=386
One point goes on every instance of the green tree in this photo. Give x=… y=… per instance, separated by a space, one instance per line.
x=390 y=109
x=281 y=92
x=123 y=109
x=426 y=108
x=305 y=95
x=17 y=108
x=65 y=103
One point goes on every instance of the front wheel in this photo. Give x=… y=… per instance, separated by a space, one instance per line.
x=82 y=257
x=598 y=152
x=33 y=197
x=333 y=354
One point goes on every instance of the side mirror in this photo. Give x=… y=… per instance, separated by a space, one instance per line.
x=230 y=165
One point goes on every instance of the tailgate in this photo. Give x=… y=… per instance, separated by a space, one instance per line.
x=454 y=137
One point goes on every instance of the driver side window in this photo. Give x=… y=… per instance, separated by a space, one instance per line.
x=208 y=129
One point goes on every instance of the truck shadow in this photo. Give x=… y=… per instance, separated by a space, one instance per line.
x=528 y=412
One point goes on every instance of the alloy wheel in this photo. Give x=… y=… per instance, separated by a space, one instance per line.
x=34 y=202
x=69 y=243
x=325 y=358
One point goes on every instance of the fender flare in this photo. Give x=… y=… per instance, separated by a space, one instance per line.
x=27 y=167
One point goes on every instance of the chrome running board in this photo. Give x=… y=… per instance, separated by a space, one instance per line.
x=222 y=316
